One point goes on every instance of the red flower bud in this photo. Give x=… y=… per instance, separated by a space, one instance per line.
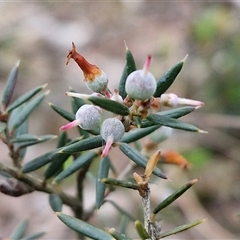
x=96 y=80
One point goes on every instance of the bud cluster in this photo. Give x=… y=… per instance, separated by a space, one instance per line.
x=140 y=87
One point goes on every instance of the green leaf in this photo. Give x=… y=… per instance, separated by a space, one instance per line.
x=84 y=228
x=128 y=68
x=26 y=140
x=55 y=202
x=63 y=139
x=174 y=196
x=19 y=230
x=27 y=110
x=25 y=97
x=34 y=236
x=116 y=235
x=10 y=85
x=83 y=145
x=40 y=161
x=137 y=134
x=172 y=113
x=23 y=129
x=142 y=233
x=57 y=164
x=65 y=114
x=120 y=183
x=181 y=228
x=110 y=105
x=103 y=170
x=76 y=165
x=76 y=102
x=139 y=159
x=122 y=211
x=168 y=78
x=173 y=123
x=3 y=126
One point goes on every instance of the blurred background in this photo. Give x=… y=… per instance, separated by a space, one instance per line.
x=40 y=35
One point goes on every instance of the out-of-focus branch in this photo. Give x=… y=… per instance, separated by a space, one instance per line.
x=39 y=185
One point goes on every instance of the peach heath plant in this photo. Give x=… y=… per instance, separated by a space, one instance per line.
x=137 y=116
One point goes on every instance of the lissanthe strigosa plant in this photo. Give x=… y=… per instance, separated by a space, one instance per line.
x=136 y=112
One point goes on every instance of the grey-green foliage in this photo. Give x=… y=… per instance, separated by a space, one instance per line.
x=86 y=150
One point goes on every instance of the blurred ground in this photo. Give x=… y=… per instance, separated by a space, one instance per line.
x=40 y=34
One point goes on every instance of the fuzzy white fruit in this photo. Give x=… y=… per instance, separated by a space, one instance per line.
x=113 y=128
x=140 y=86
x=89 y=117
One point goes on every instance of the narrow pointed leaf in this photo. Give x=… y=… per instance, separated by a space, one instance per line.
x=27 y=110
x=40 y=140
x=75 y=166
x=174 y=196
x=83 y=145
x=120 y=183
x=20 y=230
x=65 y=114
x=172 y=113
x=40 y=161
x=29 y=138
x=84 y=228
x=103 y=170
x=55 y=202
x=122 y=211
x=3 y=126
x=63 y=139
x=25 y=97
x=110 y=105
x=57 y=164
x=128 y=68
x=23 y=129
x=168 y=78
x=33 y=236
x=13 y=116
x=181 y=228
x=139 y=159
x=117 y=235
x=172 y=122
x=142 y=233
x=137 y=134
x=76 y=102
x=10 y=85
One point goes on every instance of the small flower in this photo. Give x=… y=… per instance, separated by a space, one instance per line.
x=88 y=117
x=96 y=80
x=141 y=84
x=112 y=131
x=172 y=100
x=116 y=97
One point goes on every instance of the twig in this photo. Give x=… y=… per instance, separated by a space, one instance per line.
x=39 y=185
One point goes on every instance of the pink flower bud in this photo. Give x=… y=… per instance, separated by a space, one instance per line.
x=141 y=84
x=116 y=97
x=112 y=131
x=172 y=100
x=88 y=117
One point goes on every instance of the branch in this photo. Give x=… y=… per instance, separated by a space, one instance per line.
x=39 y=185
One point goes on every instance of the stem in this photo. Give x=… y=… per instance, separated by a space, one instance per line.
x=10 y=146
x=39 y=185
x=151 y=227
